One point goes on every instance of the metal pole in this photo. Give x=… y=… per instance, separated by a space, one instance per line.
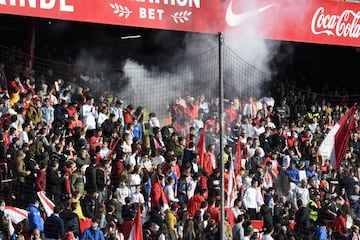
x=221 y=117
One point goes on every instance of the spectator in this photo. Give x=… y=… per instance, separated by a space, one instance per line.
x=93 y=232
x=91 y=178
x=71 y=219
x=54 y=225
x=302 y=221
x=34 y=217
x=53 y=181
x=34 y=112
x=89 y=204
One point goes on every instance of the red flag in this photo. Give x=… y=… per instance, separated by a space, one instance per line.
x=136 y=230
x=238 y=157
x=201 y=148
x=158 y=195
x=336 y=141
x=347 y=123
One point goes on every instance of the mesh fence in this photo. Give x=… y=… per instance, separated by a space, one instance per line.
x=154 y=87
x=158 y=86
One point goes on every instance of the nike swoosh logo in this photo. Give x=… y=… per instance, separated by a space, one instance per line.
x=233 y=19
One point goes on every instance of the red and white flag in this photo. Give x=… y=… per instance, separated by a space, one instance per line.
x=238 y=157
x=16 y=215
x=136 y=230
x=165 y=204
x=231 y=185
x=46 y=203
x=201 y=148
x=336 y=142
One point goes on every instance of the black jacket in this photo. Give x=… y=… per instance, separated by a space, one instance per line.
x=54 y=227
x=70 y=218
x=302 y=219
x=88 y=206
x=53 y=182
x=90 y=174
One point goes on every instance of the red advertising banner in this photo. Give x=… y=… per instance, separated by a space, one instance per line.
x=316 y=21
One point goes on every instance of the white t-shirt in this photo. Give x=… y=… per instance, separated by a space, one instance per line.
x=123 y=192
x=137 y=197
x=267 y=237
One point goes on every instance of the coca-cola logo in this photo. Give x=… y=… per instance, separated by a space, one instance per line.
x=344 y=25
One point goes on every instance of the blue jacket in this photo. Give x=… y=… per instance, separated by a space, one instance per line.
x=137 y=131
x=293 y=175
x=320 y=233
x=34 y=218
x=92 y=234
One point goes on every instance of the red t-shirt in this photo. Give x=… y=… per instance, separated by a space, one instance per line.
x=339 y=224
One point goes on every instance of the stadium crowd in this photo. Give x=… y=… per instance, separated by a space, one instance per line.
x=98 y=158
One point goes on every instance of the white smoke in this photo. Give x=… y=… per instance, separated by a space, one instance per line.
x=152 y=88
x=247 y=61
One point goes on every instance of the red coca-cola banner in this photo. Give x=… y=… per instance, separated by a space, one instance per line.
x=317 y=21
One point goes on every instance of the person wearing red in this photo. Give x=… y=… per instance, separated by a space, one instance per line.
x=231 y=113
x=291 y=139
x=96 y=140
x=214 y=210
x=126 y=228
x=210 y=159
x=339 y=225
x=156 y=190
x=29 y=87
x=324 y=185
x=16 y=83
x=40 y=181
x=203 y=181
x=231 y=216
x=70 y=166
x=117 y=169
x=71 y=109
x=75 y=122
x=195 y=202
x=128 y=114
x=27 y=101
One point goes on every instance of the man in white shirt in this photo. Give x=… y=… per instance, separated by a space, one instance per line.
x=153 y=122
x=117 y=110
x=24 y=137
x=302 y=192
x=123 y=191
x=198 y=122
x=137 y=196
x=250 y=199
x=169 y=190
x=89 y=114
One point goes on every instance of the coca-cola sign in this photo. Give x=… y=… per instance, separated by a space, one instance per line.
x=345 y=24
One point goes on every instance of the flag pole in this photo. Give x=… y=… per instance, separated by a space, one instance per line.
x=221 y=118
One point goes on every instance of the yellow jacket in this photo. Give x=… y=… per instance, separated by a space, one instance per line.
x=171 y=219
x=78 y=210
x=15 y=97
